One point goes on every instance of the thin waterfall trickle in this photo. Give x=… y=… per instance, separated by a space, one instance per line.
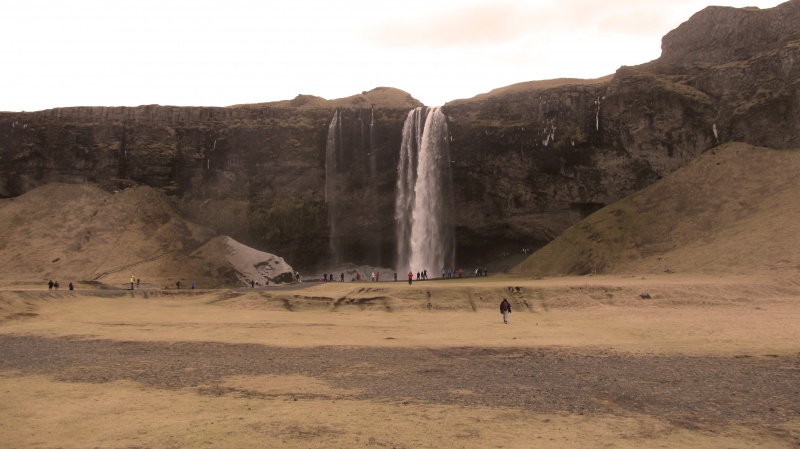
x=424 y=211
x=375 y=251
x=331 y=197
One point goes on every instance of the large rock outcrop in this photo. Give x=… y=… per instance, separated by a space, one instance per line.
x=528 y=160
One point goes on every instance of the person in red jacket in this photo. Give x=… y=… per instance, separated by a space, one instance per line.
x=410 y=277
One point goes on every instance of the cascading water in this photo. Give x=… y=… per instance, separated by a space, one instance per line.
x=424 y=211
x=351 y=189
x=331 y=197
x=375 y=251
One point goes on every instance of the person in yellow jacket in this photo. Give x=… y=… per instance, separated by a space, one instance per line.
x=133 y=280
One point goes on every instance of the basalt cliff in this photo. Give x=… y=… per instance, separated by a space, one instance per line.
x=528 y=160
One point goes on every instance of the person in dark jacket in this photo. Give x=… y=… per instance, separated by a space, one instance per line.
x=505 y=309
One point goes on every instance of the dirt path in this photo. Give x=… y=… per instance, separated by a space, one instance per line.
x=692 y=392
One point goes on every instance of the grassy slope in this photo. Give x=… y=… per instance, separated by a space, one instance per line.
x=77 y=232
x=734 y=210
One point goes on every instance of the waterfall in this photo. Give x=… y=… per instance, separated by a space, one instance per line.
x=375 y=202
x=331 y=167
x=373 y=156
x=424 y=211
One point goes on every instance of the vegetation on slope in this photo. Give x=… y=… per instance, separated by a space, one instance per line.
x=735 y=209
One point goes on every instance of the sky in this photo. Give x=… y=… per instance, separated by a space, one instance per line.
x=60 y=53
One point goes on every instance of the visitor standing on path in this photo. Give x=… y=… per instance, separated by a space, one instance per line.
x=133 y=281
x=505 y=309
x=410 y=277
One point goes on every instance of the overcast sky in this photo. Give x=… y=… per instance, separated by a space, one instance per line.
x=60 y=53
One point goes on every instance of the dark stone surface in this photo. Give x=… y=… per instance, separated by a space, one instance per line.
x=687 y=391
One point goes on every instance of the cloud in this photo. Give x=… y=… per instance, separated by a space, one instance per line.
x=479 y=24
x=130 y=52
x=496 y=23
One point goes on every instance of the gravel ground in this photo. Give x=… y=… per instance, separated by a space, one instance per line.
x=687 y=391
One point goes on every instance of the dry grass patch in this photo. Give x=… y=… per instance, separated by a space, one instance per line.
x=37 y=412
x=686 y=314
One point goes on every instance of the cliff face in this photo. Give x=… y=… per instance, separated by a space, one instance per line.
x=528 y=160
x=254 y=172
x=719 y=35
x=534 y=157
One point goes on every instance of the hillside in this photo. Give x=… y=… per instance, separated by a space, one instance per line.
x=380 y=97
x=736 y=209
x=506 y=92
x=528 y=160
x=81 y=233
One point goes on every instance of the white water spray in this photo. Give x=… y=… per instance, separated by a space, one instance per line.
x=424 y=211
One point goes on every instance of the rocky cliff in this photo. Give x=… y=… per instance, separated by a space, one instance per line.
x=528 y=160
x=533 y=157
x=255 y=172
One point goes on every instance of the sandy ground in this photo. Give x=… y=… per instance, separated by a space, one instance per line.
x=707 y=361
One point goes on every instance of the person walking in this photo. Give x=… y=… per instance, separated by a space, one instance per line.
x=410 y=277
x=133 y=281
x=505 y=309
